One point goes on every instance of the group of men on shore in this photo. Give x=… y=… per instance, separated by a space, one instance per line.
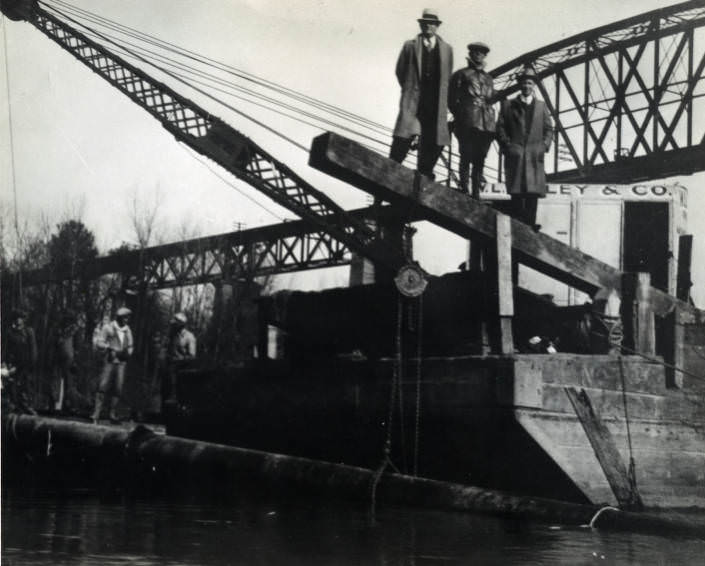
x=116 y=345
x=430 y=88
x=113 y=344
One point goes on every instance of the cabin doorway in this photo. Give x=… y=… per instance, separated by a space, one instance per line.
x=646 y=240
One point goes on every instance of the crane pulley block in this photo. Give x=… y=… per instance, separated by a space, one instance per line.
x=232 y=146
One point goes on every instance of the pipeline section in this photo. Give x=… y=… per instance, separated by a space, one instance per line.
x=144 y=458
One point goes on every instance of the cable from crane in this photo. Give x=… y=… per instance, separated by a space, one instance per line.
x=132 y=32
x=191 y=86
x=12 y=161
x=280 y=89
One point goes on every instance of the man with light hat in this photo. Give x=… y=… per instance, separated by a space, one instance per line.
x=181 y=347
x=470 y=100
x=524 y=133
x=423 y=70
x=115 y=343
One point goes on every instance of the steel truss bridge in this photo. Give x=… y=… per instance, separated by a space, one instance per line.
x=627 y=100
x=279 y=248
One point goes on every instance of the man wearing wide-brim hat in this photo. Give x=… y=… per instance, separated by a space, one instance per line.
x=115 y=342
x=181 y=347
x=423 y=70
x=470 y=101
x=524 y=132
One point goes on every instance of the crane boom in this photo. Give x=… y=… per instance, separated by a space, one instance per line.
x=210 y=136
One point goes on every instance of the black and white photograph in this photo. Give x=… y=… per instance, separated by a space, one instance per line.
x=315 y=282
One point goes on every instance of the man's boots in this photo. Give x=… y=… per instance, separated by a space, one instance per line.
x=113 y=409
x=98 y=407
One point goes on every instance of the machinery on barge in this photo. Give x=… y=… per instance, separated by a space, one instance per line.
x=442 y=377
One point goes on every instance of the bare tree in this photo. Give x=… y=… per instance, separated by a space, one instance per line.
x=144 y=217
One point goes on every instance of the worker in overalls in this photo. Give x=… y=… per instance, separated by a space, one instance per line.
x=116 y=345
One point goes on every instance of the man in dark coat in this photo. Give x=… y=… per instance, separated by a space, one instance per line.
x=19 y=356
x=423 y=71
x=524 y=132
x=470 y=101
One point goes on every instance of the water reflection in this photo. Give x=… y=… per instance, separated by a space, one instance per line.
x=83 y=529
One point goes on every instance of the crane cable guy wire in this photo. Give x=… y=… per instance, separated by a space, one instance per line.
x=12 y=152
x=191 y=86
x=231 y=70
x=164 y=60
x=351 y=120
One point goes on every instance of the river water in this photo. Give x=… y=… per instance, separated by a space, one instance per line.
x=83 y=528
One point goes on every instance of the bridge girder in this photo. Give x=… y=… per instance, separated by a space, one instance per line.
x=627 y=99
x=278 y=248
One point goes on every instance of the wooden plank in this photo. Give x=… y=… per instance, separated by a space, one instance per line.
x=675 y=378
x=353 y=163
x=645 y=322
x=605 y=449
x=505 y=285
x=641 y=325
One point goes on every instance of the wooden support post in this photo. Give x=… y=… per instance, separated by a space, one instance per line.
x=646 y=326
x=639 y=321
x=505 y=285
x=674 y=378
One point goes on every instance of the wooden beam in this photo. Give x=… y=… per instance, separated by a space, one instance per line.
x=505 y=285
x=351 y=162
x=674 y=379
x=605 y=449
x=386 y=179
x=637 y=293
x=685 y=257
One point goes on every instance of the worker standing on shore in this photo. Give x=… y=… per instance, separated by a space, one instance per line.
x=423 y=71
x=19 y=356
x=470 y=101
x=115 y=342
x=63 y=391
x=181 y=347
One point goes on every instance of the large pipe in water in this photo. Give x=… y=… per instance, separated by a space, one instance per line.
x=146 y=458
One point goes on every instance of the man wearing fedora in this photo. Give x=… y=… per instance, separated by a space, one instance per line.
x=524 y=132
x=470 y=101
x=423 y=70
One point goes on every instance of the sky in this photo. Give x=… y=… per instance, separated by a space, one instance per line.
x=79 y=143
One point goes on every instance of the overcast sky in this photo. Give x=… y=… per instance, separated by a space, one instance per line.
x=76 y=138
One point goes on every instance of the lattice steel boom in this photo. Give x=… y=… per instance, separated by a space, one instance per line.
x=210 y=136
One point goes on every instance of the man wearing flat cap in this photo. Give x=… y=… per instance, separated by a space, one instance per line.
x=470 y=101
x=115 y=343
x=524 y=132
x=423 y=69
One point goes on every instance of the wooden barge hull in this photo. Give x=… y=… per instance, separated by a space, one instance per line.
x=501 y=422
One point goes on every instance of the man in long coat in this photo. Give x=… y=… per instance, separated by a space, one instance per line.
x=524 y=132
x=423 y=70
